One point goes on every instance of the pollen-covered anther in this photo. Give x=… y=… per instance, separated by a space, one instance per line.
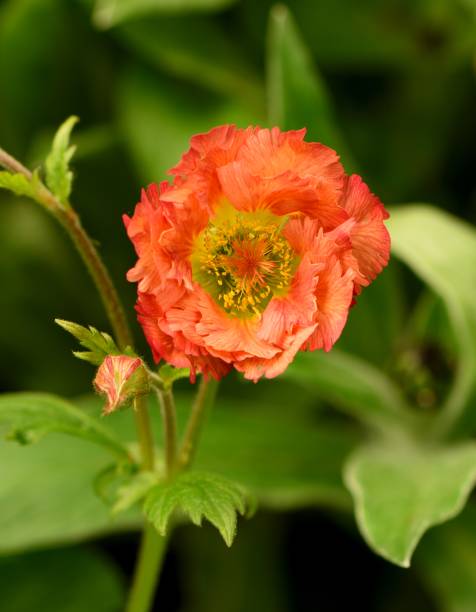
x=244 y=262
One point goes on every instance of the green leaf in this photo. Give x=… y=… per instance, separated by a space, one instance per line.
x=19 y=184
x=108 y=13
x=99 y=343
x=30 y=416
x=401 y=491
x=46 y=490
x=200 y=495
x=47 y=497
x=355 y=386
x=453 y=582
x=64 y=580
x=441 y=249
x=59 y=177
x=297 y=95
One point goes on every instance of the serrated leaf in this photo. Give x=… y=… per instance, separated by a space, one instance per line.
x=100 y=344
x=401 y=491
x=59 y=177
x=19 y=184
x=297 y=96
x=133 y=491
x=200 y=495
x=30 y=416
x=441 y=249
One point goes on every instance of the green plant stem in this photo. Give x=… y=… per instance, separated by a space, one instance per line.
x=149 y=563
x=144 y=433
x=71 y=222
x=169 y=420
x=13 y=165
x=109 y=296
x=203 y=402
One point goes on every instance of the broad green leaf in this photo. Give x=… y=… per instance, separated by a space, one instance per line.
x=59 y=177
x=108 y=13
x=200 y=495
x=401 y=491
x=47 y=495
x=99 y=343
x=196 y=49
x=355 y=386
x=297 y=96
x=62 y=580
x=446 y=561
x=441 y=249
x=158 y=116
x=30 y=416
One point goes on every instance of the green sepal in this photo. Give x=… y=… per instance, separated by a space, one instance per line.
x=168 y=375
x=99 y=343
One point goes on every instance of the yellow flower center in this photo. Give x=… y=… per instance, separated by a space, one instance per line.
x=243 y=260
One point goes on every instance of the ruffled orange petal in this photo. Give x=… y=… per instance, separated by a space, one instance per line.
x=284 y=314
x=255 y=368
x=370 y=238
x=279 y=171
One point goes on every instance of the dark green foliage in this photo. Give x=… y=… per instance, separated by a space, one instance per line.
x=391 y=86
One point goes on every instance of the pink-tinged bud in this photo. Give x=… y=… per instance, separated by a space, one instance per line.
x=120 y=378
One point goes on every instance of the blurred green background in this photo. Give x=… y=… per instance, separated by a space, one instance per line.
x=389 y=83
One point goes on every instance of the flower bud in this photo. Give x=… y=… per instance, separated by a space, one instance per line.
x=120 y=378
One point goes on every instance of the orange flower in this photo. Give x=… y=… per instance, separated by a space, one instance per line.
x=253 y=252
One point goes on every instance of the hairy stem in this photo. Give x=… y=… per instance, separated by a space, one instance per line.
x=70 y=220
x=98 y=271
x=12 y=164
x=144 y=433
x=167 y=407
x=203 y=402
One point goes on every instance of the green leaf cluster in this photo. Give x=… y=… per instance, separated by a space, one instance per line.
x=99 y=343
x=199 y=495
x=58 y=176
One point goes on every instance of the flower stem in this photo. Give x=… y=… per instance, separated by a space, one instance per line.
x=144 y=433
x=70 y=220
x=203 y=402
x=149 y=563
x=167 y=407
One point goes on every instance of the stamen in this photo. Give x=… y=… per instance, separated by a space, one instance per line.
x=243 y=260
